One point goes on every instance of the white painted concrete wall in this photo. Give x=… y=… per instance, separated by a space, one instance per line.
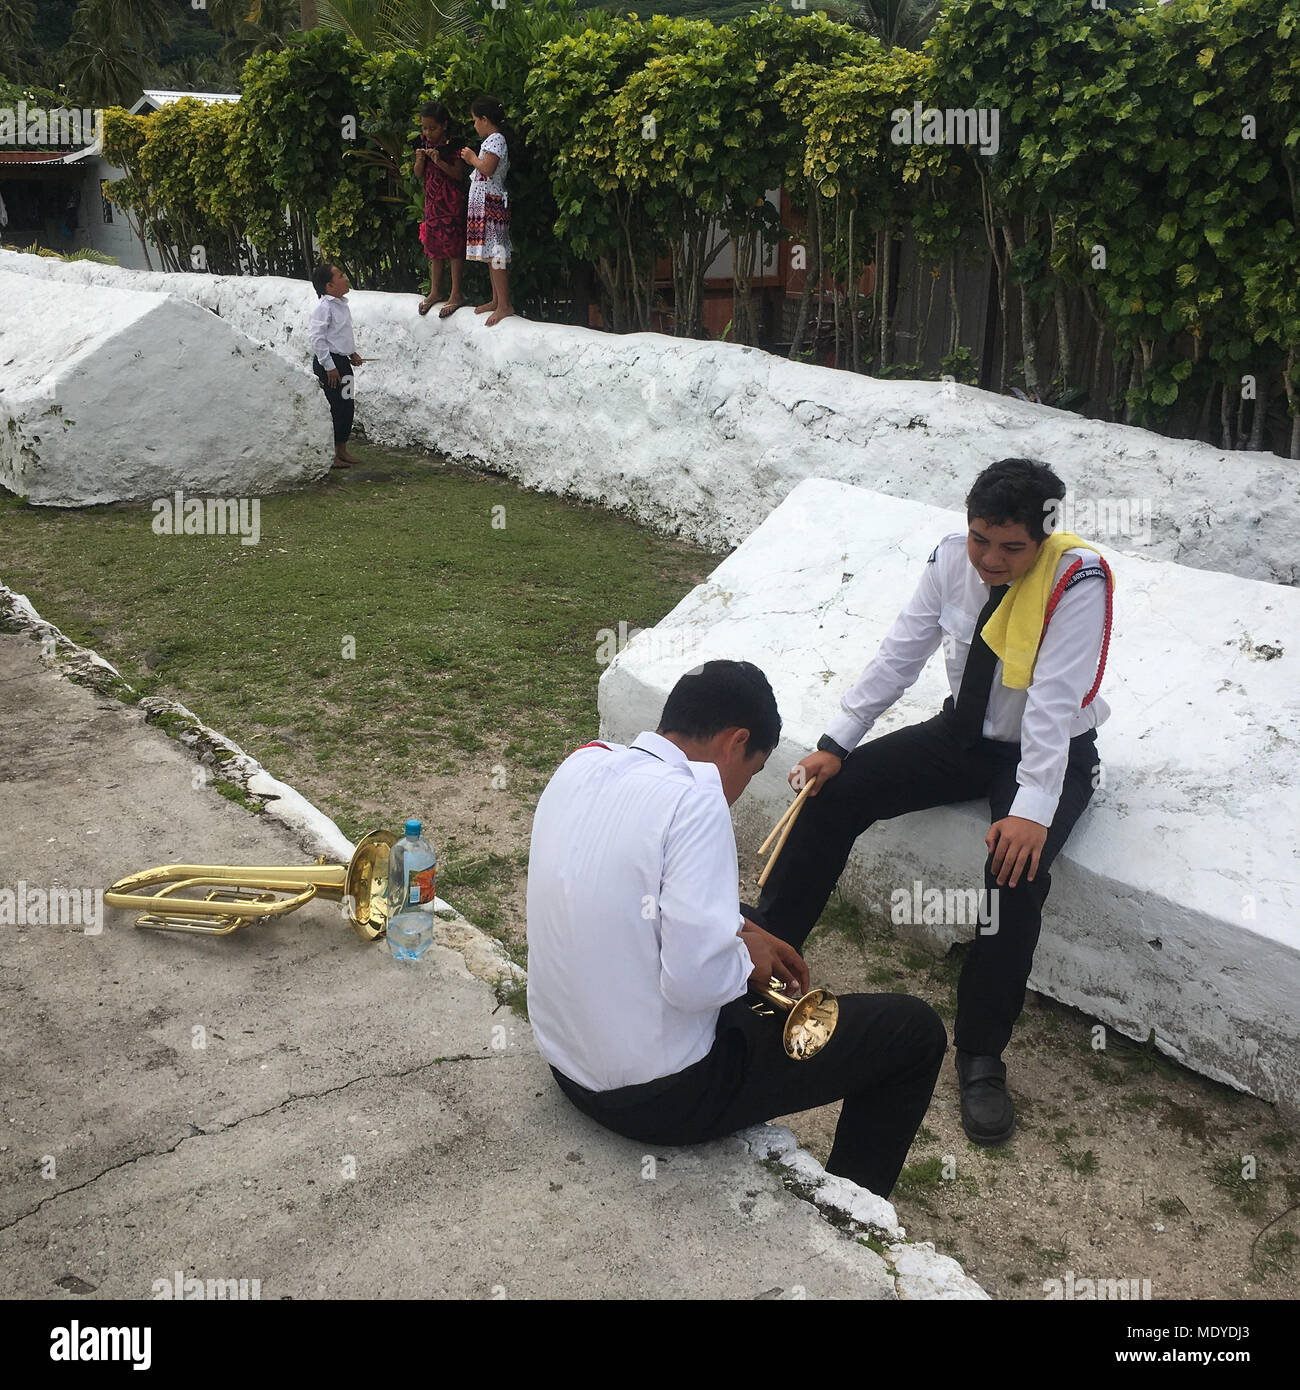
x=1175 y=904
x=704 y=439
x=111 y=394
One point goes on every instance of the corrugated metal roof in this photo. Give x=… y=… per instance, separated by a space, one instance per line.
x=156 y=96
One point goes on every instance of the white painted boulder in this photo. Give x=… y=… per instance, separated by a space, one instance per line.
x=1175 y=905
x=110 y=394
x=703 y=439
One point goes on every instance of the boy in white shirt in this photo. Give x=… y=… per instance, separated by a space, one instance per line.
x=639 y=954
x=334 y=350
x=1019 y=730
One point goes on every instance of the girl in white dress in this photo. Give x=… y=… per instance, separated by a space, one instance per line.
x=487 y=233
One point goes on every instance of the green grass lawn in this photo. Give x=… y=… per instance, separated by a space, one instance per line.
x=473 y=643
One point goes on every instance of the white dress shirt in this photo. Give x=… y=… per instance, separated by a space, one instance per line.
x=1042 y=719
x=331 y=329
x=633 y=910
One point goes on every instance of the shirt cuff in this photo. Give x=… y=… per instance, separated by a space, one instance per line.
x=1035 y=805
x=847 y=731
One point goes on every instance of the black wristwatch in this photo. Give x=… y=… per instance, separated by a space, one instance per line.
x=826 y=744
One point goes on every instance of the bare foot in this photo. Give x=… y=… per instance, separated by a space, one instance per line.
x=339 y=463
x=488 y=308
x=500 y=314
x=449 y=308
x=342 y=456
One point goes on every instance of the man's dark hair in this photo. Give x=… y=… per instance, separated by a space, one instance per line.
x=1016 y=490
x=320 y=277
x=723 y=695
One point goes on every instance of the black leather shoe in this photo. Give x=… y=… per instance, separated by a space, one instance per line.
x=987 y=1115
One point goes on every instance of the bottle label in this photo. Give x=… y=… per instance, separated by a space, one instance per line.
x=420 y=886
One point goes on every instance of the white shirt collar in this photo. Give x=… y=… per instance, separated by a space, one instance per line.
x=650 y=742
x=706 y=774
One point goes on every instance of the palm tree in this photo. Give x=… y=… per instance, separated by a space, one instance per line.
x=145 y=21
x=896 y=23
x=103 y=67
x=378 y=25
x=260 y=26
x=16 y=19
x=195 y=73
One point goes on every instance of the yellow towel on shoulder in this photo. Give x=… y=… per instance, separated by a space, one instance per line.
x=1016 y=627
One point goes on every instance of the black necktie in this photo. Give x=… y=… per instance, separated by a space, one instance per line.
x=977 y=678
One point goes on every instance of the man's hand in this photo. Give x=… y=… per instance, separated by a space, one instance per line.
x=819 y=766
x=774 y=957
x=1014 y=844
x=355 y=360
x=332 y=376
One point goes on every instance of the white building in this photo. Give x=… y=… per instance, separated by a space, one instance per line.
x=54 y=196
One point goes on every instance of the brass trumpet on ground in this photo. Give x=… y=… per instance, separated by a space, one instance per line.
x=239 y=895
x=812 y=1018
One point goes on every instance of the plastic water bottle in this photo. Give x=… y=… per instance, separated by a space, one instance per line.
x=410 y=894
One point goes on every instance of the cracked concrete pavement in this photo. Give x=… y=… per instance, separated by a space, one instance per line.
x=291 y=1105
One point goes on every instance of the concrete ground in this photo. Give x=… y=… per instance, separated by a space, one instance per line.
x=288 y=1104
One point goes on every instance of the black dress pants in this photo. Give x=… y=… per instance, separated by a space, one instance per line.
x=342 y=407
x=882 y=1061
x=911 y=769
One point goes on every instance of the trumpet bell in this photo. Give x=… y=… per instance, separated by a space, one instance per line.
x=811 y=1021
x=810 y=1025
x=367 y=884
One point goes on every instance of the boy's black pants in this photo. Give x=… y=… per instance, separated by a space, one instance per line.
x=342 y=406
x=882 y=1061
x=911 y=769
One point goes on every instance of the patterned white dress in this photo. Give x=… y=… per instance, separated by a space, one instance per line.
x=487 y=229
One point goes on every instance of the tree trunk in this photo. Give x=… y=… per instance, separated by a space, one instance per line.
x=1132 y=384
x=744 y=326
x=1028 y=349
x=835 y=293
x=923 y=329
x=1258 y=417
x=852 y=290
x=812 y=274
x=821 y=272
x=1098 y=366
x=1225 y=420
x=954 y=341
x=1064 y=348
x=1203 y=424
x=1288 y=385
x=884 y=274
x=307 y=15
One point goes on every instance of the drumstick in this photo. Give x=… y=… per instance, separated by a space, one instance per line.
x=785 y=834
x=791 y=810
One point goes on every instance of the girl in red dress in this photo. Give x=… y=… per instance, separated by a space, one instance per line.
x=442 y=232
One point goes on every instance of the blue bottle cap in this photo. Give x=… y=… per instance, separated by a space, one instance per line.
x=413 y=829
